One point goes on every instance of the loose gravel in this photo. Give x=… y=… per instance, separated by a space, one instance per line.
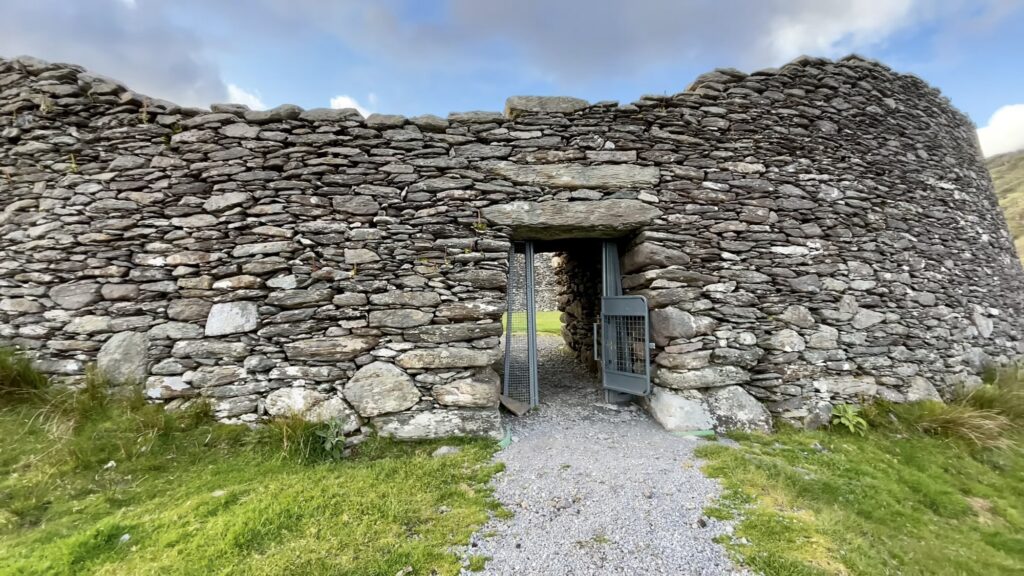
x=598 y=489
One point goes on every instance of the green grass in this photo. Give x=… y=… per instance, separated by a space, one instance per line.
x=548 y=322
x=96 y=486
x=923 y=492
x=1008 y=177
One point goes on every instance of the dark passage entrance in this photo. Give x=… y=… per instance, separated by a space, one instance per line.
x=605 y=331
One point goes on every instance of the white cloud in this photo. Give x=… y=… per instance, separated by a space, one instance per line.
x=1004 y=131
x=238 y=95
x=346 y=101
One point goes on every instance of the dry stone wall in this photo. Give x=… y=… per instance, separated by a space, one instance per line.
x=823 y=232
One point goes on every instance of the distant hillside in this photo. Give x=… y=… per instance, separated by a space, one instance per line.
x=1008 y=176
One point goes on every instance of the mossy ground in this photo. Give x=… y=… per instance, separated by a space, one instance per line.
x=815 y=503
x=122 y=488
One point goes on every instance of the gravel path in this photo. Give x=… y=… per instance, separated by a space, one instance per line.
x=598 y=489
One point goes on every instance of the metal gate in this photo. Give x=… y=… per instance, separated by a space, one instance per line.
x=625 y=351
x=520 y=382
x=625 y=339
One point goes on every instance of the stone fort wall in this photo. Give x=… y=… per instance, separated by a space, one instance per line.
x=824 y=232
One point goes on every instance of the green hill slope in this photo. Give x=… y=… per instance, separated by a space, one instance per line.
x=1008 y=177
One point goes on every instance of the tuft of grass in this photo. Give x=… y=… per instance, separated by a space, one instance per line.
x=19 y=380
x=96 y=484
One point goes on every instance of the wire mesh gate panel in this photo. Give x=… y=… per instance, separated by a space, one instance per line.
x=521 y=327
x=625 y=352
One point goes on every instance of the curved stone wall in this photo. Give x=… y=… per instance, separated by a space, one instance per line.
x=819 y=233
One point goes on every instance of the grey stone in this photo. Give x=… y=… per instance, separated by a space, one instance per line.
x=312 y=406
x=555 y=220
x=299 y=298
x=209 y=349
x=647 y=254
x=20 y=306
x=175 y=331
x=404 y=298
x=399 y=318
x=847 y=386
x=798 y=315
x=232 y=318
x=88 y=325
x=75 y=296
x=680 y=410
x=618 y=176
x=440 y=424
x=227 y=201
x=735 y=409
x=381 y=388
x=785 y=340
x=119 y=291
x=442 y=333
x=124 y=358
x=188 y=309
x=921 y=389
x=168 y=388
x=446 y=358
x=667 y=324
x=338 y=349
x=865 y=318
x=360 y=256
x=478 y=391
x=210 y=376
x=709 y=377
x=516 y=105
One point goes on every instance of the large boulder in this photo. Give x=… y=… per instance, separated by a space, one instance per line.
x=380 y=388
x=734 y=409
x=680 y=411
x=440 y=424
x=124 y=358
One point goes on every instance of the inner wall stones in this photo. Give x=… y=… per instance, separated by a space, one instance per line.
x=816 y=234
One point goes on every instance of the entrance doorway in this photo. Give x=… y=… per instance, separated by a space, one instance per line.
x=604 y=330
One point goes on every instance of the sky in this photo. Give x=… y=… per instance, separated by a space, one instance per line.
x=436 y=56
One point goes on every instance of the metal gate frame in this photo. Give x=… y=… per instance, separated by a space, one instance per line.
x=625 y=354
x=520 y=378
x=625 y=346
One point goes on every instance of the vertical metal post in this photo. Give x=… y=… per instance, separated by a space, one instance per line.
x=531 y=326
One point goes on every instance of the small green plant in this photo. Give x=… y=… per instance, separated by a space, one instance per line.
x=849 y=417
x=355 y=271
x=477 y=563
x=72 y=164
x=332 y=436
